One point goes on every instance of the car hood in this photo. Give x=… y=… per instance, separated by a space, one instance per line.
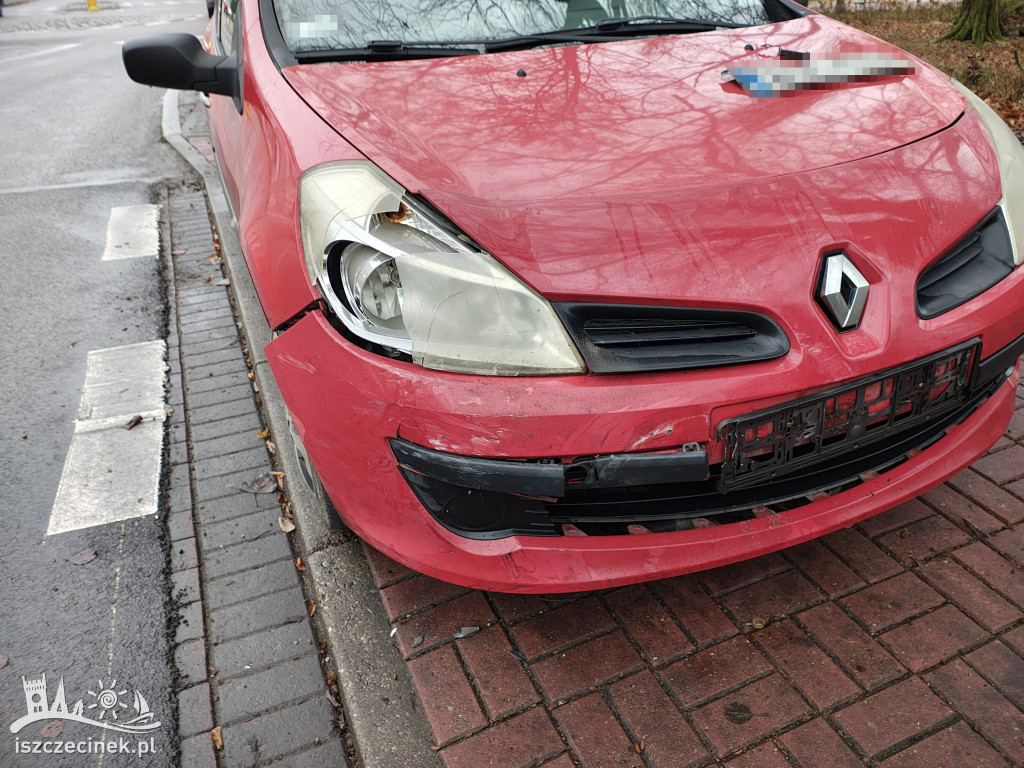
x=523 y=149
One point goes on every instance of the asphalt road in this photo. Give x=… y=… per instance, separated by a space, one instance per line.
x=77 y=138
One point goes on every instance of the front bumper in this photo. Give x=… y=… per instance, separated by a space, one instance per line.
x=351 y=407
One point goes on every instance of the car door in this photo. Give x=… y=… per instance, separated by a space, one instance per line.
x=226 y=114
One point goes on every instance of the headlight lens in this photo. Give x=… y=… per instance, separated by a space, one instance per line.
x=1011 y=169
x=398 y=275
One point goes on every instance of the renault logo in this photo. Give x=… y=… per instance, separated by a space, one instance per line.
x=843 y=290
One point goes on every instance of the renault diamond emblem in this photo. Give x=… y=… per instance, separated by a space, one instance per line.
x=843 y=290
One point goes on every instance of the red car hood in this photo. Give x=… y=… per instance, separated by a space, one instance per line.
x=568 y=154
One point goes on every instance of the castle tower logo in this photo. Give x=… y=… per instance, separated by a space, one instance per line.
x=111 y=707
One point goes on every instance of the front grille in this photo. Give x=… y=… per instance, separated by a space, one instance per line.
x=972 y=266
x=622 y=338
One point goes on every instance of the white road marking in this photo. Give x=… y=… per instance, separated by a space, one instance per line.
x=132 y=232
x=112 y=473
x=44 y=52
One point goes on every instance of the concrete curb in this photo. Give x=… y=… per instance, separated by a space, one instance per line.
x=387 y=727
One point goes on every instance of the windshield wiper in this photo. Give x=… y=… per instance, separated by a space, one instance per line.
x=610 y=30
x=385 y=50
x=642 y=24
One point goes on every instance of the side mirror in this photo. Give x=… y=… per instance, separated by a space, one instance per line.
x=178 y=61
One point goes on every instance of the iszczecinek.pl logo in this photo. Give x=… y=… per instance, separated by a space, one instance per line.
x=110 y=707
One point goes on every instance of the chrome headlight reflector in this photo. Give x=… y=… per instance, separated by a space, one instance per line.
x=398 y=275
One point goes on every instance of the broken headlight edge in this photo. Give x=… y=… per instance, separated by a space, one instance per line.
x=397 y=274
x=1010 y=155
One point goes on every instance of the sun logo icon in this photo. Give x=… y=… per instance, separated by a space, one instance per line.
x=108 y=700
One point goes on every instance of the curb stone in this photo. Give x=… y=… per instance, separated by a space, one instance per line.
x=384 y=719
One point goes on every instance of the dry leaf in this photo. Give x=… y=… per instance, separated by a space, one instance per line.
x=52 y=729
x=3 y=660
x=218 y=742
x=272 y=448
x=312 y=608
x=298 y=566
x=265 y=483
x=332 y=678
x=758 y=622
x=208 y=278
x=83 y=557
x=133 y=422
x=225 y=281
x=286 y=525
x=263 y=435
x=179 y=251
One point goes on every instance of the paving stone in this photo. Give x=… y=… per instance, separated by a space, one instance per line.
x=561 y=626
x=197 y=752
x=238 y=504
x=385 y=570
x=226 y=394
x=262 y=649
x=730 y=577
x=194 y=713
x=230 y=443
x=183 y=555
x=766 y=755
x=857 y=551
x=271 y=688
x=500 y=678
x=888 y=717
x=648 y=624
x=280 y=732
x=699 y=614
x=191 y=624
x=415 y=594
x=816 y=745
x=238 y=530
x=954 y=747
x=1003 y=466
x=595 y=735
x=185 y=586
x=653 y=720
x=273 y=577
x=516 y=608
x=251 y=554
x=262 y=612
x=918 y=542
x=190 y=661
x=862 y=658
x=810 y=669
x=1015 y=640
x=707 y=673
x=779 y=595
x=446 y=694
x=994 y=569
x=897 y=517
x=932 y=638
x=887 y=603
x=198 y=336
x=1001 y=667
x=971 y=595
x=830 y=573
x=439 y=625
x=582 y=666
x=255 y=460
x=199 y=359
x=518 y=741
x=179 y=525
x=1010 y=543
x=220 y=411
x=1003 y=505
x=958 y=507
x=329 y=755
x=227 y=485
x=234 y=366
x=772 y=703
x=981 y=705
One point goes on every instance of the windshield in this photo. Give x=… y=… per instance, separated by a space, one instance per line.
x=318 y=25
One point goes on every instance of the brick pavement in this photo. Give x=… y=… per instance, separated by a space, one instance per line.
x=896 y=642
x=246 y=657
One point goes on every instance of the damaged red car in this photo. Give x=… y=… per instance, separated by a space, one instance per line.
x=570 y=294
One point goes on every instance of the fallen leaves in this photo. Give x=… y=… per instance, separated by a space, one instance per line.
x=217 y=739
x=83 y=557
x=737 y=713
x=265 y=483
x=225 y=281
x=263 y=435
x=133 y=422
x=311 y=608
x=299 y=566
x=52 y=729
x=4 y=658
x=286 y=525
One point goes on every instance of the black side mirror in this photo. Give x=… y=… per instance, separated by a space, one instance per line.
x=178 y=61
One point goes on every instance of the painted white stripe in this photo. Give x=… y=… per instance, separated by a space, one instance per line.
x=132 y=232
x=44 y=52
x=112 y=473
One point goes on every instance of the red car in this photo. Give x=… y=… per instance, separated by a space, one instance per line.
x=570 y=294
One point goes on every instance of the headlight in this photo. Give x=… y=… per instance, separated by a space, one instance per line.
x=1011 y=169
x=397 y=274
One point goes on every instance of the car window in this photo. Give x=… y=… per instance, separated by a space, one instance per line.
x=310 y=25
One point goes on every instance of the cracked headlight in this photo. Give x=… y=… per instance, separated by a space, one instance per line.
x=1010 y=154
x=399 y=275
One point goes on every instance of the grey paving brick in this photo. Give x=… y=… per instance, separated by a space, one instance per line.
x=256 y=459
x=247 y=425
x=177 y=454
x=179 y=524
x=220 y=319
x=263 y=649
x=236 y=366
x=260 y=613
x=189 y=298
x=269 y=689
x=179 y=477
x=277 y=733
x=227 y=507
x=190 y=293
x=231 y=443
x=189 y=349
x=183 y=555
x=190 y=661
x=238 y=530
x=201 y=382
x=206 y=358
x=225 y=485
x=329 y=755
x=203 y=309
x=185 y=586
x=240 y=391
x=194 y=713
x=243 y=407
x=191 y=625
x=193 y=337
x=197 y=752
x=179 y=499
x=272 y=577
x=176 y=433
x=242 y=557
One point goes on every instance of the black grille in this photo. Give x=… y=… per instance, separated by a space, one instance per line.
x=972 y=266
x=622 y=338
